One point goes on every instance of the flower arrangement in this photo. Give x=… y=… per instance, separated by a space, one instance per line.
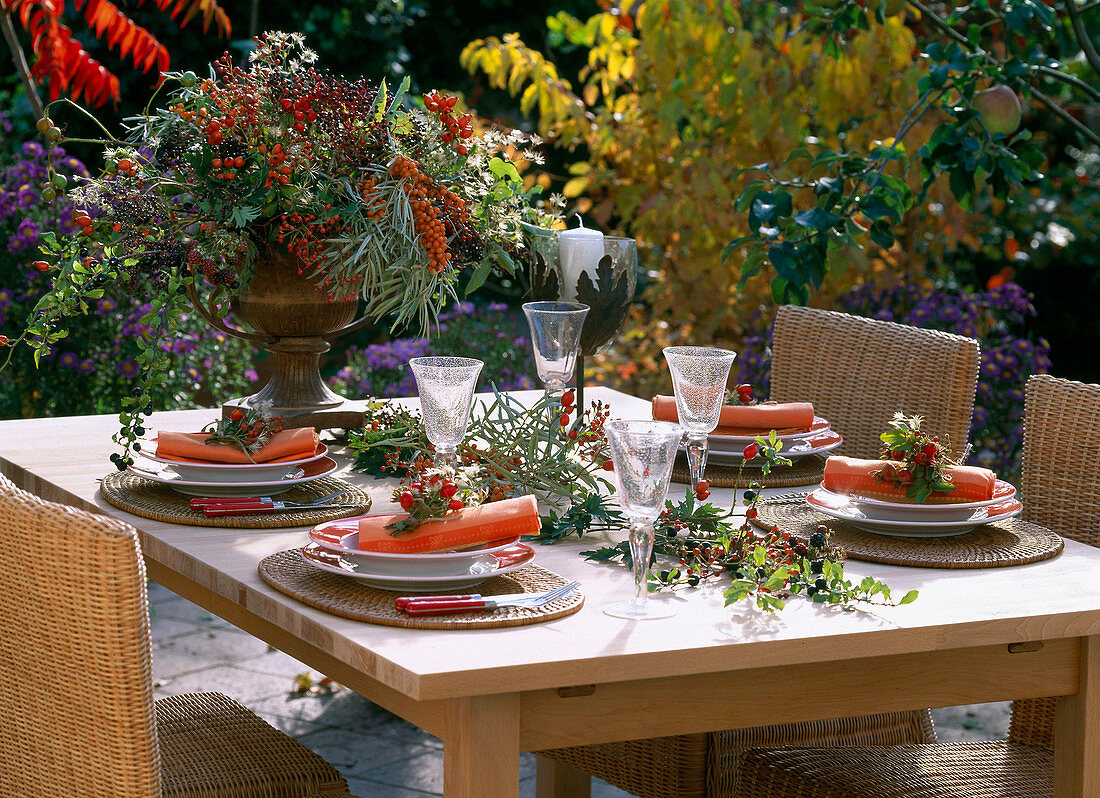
x=372 y=198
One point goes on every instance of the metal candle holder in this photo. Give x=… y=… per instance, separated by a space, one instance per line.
x=609 y=296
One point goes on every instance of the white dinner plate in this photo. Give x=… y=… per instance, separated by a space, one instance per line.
x=342 y=536
x=233 y=472
x=887 y=510
x=839 y=506
x=320 y=467
x=502 y=562
x=819 y=443
x=730 y=441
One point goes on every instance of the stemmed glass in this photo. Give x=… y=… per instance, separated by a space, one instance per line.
x=643 y=453
x=446 y=387
x=556 y=336
x=699 y=375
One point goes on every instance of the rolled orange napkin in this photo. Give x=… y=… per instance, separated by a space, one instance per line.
x=290 y=444
x=854 y=476
x=748 y=420
x=474 y=525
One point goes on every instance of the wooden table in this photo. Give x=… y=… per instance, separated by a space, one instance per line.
x=972 y=636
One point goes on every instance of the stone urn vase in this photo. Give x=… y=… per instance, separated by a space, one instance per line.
x=294 y=322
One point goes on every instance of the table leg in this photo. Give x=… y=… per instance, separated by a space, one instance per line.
x=481 y=747
x=558 y=780
x=1077 y=731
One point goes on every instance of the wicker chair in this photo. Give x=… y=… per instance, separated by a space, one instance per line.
x=1061 y=420
x=856 y=371
x=79 y=718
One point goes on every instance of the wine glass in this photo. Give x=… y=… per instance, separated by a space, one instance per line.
x=699 y=375
x=446 y=387
x=643 y=453
x=556 y=337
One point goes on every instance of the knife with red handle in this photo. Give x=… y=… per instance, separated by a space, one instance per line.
x=401 y=602
x=198 y=504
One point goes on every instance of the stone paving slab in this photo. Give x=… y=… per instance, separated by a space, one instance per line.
x=379 y=754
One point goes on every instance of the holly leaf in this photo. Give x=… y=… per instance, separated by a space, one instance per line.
x=609 y=300
x=545 y=285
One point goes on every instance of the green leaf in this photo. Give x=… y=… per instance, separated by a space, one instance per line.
x=816 y=219
x=909 y=597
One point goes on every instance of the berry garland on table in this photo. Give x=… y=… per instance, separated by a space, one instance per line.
x=915 y=461
x=544 y=449
x=705 y=542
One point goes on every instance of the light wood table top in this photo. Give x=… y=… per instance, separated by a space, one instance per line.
x=963 y=621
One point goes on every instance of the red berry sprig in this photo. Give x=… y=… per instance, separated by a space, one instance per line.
x=433 y=493
x=456 y=129
x=915 y=461
x=248 y=429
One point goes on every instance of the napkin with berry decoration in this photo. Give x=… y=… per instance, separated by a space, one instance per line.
x=748 y=420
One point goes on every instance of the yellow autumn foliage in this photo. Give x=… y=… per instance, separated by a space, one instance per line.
x=676 y=97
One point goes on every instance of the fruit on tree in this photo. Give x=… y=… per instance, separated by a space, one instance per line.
x=999 y=108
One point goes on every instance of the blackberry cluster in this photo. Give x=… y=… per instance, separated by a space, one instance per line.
x=220 y=271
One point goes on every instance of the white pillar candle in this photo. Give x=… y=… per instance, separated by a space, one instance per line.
x=580 y=251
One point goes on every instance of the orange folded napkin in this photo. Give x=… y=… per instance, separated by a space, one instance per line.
x=473 y=525
x=854 y=476
x=290 y=444
x=748 y=420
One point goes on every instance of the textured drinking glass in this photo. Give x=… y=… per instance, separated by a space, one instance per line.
x=643 y=453
x=556 y=336
x=699 y=375
x=446 y=387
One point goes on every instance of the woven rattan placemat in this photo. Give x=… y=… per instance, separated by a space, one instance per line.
x=996 y=545
x=289 y=573
x=150 y=499
x=803 y=471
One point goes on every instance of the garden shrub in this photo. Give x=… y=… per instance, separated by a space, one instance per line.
x=488 y=334
x=91 y=369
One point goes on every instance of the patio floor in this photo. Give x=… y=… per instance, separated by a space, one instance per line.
x=379 y=754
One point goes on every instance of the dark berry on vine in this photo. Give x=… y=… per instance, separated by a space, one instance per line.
x=120 y=465
x=817 y=566
x=693 y=580
x=750 y=496
x=136 y=392
x=801 y=549
x=817 y=540
x=821 y=584
x=664 y=576
x=137 y=446
x=139 y=430
x=761 y=573
x=115 y=457
x=811 y=591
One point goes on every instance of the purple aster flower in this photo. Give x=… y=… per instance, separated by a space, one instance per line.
x=86 y=366
x=68 y=359
x=251 y=375
x=32 y=149
x=129 y=368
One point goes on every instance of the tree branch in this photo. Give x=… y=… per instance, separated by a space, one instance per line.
x=941 y=23
x=1089 y=134
x=1083 y=35
x=1070 y=79
x=20 y=61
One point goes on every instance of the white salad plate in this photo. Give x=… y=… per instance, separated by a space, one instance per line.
x=918 y=526
x=502 y=562
x=315 y=469
x=233 y=472
x=819 y=443
x=897 y=511
x=342 y=537
x=729 y=441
